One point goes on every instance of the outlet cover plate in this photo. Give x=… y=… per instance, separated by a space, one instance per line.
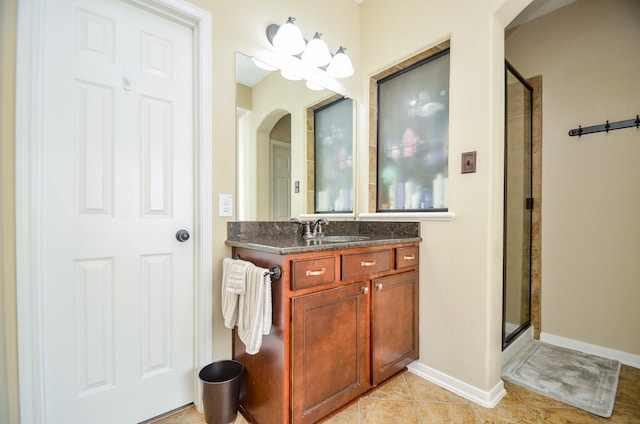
x=225 y=205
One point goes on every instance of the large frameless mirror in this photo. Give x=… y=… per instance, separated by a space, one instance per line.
x=275 y=140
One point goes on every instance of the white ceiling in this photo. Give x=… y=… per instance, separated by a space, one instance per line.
x=247 y=73
x=538 y=8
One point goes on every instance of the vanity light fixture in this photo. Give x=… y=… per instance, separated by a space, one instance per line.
x=287 y=39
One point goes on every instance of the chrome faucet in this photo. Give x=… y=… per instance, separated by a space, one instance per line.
x=316 y=227
x=311 y=229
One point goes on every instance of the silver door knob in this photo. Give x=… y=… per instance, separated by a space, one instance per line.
x=182 y=235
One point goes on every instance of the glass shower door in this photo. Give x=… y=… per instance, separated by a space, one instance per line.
x=518 y=205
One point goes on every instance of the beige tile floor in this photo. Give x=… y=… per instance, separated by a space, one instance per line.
x=410 y=399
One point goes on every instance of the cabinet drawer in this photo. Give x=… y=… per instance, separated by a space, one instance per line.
x=313 y=272
x=360 y=264
x=406 y=257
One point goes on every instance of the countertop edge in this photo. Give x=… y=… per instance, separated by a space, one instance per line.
x=319 y=247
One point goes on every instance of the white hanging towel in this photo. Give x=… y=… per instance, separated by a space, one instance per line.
x=254 y=309
x=234 y=281
x=246 y=301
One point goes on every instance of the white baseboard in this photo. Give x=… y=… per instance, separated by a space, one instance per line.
x=487 y=399
x=517 y=345
x=624 y=357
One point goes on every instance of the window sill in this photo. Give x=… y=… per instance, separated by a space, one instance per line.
x=349 y=216
x=408 y=216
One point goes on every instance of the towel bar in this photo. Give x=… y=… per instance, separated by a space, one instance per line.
x=275 y=272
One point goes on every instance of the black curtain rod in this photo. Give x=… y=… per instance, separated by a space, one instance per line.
x=609 y=126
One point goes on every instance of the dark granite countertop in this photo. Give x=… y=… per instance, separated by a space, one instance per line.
x=283 y=237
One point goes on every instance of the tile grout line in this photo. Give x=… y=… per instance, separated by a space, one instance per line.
x=413 y=400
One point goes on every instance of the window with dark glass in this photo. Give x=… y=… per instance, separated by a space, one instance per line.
x=333 y=152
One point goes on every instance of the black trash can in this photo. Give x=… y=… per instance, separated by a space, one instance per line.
x=221 y=390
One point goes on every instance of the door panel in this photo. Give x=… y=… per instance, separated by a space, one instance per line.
x=118 y=183
x=281 y=182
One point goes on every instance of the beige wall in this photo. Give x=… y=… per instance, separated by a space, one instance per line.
x=591 y=190
x=243 y=97
x=8 y=326
x=282 y=130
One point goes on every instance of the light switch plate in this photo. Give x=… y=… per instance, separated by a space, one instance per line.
x=468 y=162
x=225 y=205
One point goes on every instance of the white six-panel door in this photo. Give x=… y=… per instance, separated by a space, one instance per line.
x=117 y=186
x=280 y=180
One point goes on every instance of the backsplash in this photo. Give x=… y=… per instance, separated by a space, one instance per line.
x=249 y=230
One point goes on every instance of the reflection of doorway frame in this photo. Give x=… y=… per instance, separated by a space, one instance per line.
x=29 y=140
x=274 y=200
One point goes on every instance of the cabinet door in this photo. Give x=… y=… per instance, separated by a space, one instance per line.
x=394 y=324
x=329 y=351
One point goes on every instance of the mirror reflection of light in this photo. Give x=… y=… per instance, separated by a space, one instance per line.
x=313 y=86
x=289 y=76
x=260 y=64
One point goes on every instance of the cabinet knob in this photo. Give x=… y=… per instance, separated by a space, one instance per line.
x=409 y=257
x=364 y=290
x=367 y=263
x=378 y=286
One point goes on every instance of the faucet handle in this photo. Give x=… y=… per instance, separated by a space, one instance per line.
x=317 y=226
x=306 y=225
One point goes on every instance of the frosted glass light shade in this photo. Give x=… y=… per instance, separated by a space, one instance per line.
x=289 y=76
x=316 y=53
x=313 y=86
x=260 y=64
x=340 y=66
x=288 y=39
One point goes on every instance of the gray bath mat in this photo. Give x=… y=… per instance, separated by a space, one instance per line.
x=579 y=379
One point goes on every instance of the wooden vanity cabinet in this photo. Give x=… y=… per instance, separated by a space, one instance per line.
x=343 y=322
